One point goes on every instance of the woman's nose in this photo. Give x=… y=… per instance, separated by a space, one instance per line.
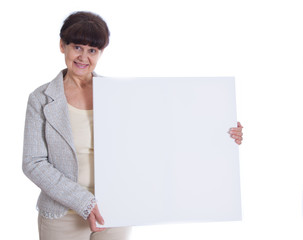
x=83 y=56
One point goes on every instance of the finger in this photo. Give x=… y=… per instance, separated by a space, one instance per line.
x=96 y=229
x=98 y=216
x=92 y=224
x=236 y=137
x=238 y=142
x=236 y=129
x=236 y=133
x=239 y=125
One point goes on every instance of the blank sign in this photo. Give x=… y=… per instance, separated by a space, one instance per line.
x=162 y=150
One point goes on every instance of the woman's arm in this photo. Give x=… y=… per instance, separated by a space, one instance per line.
x=36 y=165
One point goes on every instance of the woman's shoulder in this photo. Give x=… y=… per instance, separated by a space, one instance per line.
x=41 y=89
x=55 y=86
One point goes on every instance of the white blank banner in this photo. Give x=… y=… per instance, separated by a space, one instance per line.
x=162 y=150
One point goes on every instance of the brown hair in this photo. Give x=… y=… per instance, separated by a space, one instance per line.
x=85 y=28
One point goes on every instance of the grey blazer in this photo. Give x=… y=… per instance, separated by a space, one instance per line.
x=49 y=156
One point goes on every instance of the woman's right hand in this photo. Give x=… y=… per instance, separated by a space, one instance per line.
x=94 y=217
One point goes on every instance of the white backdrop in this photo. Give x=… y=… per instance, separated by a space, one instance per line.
x=259 y=42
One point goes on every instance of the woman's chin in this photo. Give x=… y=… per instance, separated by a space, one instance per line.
x=80 y=72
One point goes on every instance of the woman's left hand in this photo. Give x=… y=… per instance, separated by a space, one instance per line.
x=236 y=133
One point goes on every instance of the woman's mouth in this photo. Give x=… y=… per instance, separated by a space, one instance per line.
x=81 y=65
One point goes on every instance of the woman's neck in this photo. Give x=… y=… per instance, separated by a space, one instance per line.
x=78 y=81
x=79 y=91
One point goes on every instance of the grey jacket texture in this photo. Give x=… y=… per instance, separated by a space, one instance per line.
x=49 y=156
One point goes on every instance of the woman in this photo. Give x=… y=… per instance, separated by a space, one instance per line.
x=58 y=145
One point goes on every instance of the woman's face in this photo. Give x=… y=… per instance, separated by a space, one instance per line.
x=80 y=60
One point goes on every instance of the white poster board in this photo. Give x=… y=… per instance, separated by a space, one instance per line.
x=162 y=150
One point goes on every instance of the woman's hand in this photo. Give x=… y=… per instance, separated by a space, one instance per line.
x=94 y=217
x=236 y=133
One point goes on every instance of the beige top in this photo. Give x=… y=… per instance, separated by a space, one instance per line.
x=82 y=128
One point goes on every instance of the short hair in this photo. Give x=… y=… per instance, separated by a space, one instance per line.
x=85 y=28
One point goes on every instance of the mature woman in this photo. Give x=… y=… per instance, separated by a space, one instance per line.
x=58 y=139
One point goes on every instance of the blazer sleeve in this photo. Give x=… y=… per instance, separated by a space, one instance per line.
x=39 y=170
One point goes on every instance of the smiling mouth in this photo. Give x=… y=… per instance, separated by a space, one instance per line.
x=80 y=65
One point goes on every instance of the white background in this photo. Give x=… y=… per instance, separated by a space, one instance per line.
x=259 y=42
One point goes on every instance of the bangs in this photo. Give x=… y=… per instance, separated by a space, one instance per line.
x=86 y=33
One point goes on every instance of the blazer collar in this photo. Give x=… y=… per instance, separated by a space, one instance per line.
x=56 y=111
x=55 y=89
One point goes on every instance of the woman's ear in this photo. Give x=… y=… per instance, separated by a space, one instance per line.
x=62 y=46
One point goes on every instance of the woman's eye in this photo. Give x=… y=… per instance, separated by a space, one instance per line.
x=77 y=47
x=93 y=50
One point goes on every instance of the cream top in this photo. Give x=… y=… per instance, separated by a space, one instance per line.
x=82 y=128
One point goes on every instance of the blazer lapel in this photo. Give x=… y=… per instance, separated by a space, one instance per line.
x=56 y=111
